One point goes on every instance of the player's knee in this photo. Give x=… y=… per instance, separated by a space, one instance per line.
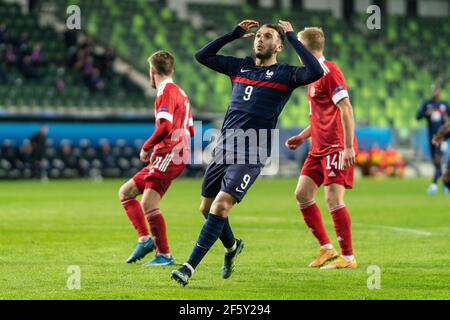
x=221 y=208
x=204 y=209
x=124 y=193
x=333 y=200
x=147 y=205
x=303 y=196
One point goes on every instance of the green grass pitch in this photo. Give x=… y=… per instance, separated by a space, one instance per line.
x=44 y=228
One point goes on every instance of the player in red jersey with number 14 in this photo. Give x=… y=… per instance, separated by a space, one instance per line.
x=331 y=159
x=171 y=146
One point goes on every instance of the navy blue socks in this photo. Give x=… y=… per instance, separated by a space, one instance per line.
x=227 y=236
x=437 y=172
x=209 y=234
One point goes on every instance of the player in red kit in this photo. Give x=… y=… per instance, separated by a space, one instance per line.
x=171 y=146
x=331 y=159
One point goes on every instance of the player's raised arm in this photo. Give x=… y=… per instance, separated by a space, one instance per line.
x=208 y=54
x=312 y=70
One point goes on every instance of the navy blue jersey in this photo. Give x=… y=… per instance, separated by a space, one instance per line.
x=440 y=111
x=259 y=94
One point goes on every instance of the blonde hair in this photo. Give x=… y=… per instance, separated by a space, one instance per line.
x=313 y=38
x=162 y=62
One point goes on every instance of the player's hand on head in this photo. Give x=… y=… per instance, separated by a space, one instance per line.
x=349 y=156
x=247 y=25
x=286 y=25
x=294 y=142
x=143 y=155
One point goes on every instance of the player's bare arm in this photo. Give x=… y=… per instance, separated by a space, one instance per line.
x=348 y=123
x=144 y=156
x=296 y=141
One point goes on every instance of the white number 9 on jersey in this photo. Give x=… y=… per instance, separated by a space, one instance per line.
x=248 y=92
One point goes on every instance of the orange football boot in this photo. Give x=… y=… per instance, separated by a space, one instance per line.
x=341 y=263
x=324 y=256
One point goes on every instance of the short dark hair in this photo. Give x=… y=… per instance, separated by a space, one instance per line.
x=162 y=62
x=276 y=27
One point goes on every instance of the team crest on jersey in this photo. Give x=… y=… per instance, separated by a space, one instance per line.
x=269 y=74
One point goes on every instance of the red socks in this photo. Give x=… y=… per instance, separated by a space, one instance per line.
x=313 y=219
x=155 y=219
x=136 y=215
x=158 y=228
x=343 y=227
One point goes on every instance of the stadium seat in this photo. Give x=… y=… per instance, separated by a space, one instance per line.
x=375 y=64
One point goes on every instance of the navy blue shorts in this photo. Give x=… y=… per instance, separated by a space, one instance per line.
x=234 y=179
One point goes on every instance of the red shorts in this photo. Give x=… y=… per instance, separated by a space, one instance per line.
x=159 y=174
x=327 y=170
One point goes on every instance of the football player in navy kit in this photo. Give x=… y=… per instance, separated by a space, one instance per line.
x=436 y=112
x=260 y=89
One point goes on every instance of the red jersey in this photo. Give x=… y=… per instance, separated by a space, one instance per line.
x=172 y=104
x=327 y=133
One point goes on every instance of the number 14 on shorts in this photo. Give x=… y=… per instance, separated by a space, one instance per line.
x=335 y=160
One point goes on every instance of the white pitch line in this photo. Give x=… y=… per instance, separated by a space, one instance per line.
x=366 y=225
x=266 y=219
x=396 y=229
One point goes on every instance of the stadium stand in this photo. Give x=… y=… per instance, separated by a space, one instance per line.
x=118 y=159
x=384 y=73
x=389 y=72
x=86 y=159
x=41 y=68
